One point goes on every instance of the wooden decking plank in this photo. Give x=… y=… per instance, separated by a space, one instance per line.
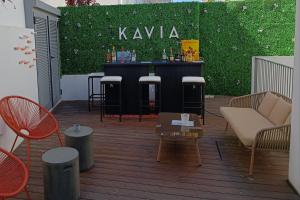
x=125 y=165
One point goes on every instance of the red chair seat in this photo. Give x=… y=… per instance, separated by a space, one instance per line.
x=13 y=175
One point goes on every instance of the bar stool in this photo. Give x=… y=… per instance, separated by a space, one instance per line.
x=111 y=81
x=91 y=93
x=149 y=80
x=199 y=105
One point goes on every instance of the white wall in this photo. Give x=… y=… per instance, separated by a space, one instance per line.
x=15 y=78
x=294 y=170
x=75 y=87
x=10 y=16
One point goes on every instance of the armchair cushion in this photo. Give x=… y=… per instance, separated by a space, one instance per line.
x=246 y=122
x=288 y=120
x=267 y=104
x=280 y=112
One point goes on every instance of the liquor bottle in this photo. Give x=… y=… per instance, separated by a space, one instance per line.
x=164 y=55
x=113 y=55
x=171 y=55
x=108 y=56
x=121 y=59
x=133 y=56
x=182 y=56
x=178 y=57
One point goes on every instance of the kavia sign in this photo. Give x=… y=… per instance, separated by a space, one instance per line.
x=148 y=31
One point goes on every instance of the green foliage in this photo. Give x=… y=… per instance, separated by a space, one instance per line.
x=87 y=32
x=233 y=32
x=230 y=34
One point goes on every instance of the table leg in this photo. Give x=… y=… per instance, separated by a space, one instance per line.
x=159 y=149
x=198 y=153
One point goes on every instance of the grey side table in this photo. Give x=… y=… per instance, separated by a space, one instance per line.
x=81 y=138
x=61 y=174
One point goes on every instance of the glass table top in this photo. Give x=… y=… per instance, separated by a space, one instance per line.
x=164 y=126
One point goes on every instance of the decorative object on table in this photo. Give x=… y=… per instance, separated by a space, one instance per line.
x=81 y=138
x=13 y=175
x=28 y=120
x=164 y=55
x=133 y=56
x=61 y=174
x=185 y=117
x=171 y=58
x=190 y=49
x=166 y=129
x=113 y=55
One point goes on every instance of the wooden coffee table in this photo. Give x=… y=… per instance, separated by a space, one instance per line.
x=165 y=129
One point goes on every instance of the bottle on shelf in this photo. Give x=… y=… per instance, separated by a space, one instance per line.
x=121 y=59
x=164 y=55
x=178 y=57
x=133 y=56
x=171 y=55
x=182 y=56
x=113 y=55
x=108 y=56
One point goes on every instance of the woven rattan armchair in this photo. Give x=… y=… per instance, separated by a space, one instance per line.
x=276 y=138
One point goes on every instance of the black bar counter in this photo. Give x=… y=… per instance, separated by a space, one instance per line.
x=170 y=73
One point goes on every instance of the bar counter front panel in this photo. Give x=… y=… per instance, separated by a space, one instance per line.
x=171 y=75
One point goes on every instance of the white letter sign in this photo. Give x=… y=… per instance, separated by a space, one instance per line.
x=149 y=33
x=122 y=33
x=161 y=32
x=137 y=34
x=173 y=33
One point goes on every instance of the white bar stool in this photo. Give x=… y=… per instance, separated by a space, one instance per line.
x=197 y=104
x=114 y=81
x=149 y=80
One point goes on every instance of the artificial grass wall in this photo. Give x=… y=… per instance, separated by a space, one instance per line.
x=87 y=32
x=230 y=34
x=233 y=32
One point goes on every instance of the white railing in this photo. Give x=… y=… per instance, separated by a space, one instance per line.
x=273 y=73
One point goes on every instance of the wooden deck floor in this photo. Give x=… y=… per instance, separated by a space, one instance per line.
x=125 y=165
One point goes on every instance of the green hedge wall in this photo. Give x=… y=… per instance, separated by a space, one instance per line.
x=87 y=32
x=230 y=34
x=233 y=32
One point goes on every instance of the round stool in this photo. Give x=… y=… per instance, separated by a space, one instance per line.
x=61 y=174
x=110 y=80
x=81 y=138
x=194 y=104
x=149 y=80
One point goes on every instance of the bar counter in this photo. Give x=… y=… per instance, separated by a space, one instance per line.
x=171 y=74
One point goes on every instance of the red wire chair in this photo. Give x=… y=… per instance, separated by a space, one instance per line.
x=13 y=175
x=28 y=120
